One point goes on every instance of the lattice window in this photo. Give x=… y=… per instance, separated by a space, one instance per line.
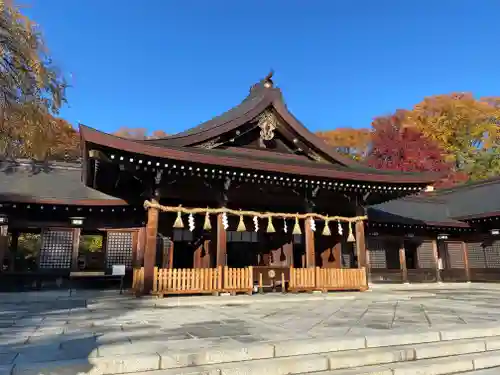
x=119 y=249
x=57 y=248
x=476 y=255
x=454 y=255
x=377 y=253
x=492 y=255
x=425 y=255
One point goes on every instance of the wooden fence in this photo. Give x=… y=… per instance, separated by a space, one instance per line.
x=325 y=279
x=237 y=280
x=138 y=280
x=196 y=280
x=187 y=280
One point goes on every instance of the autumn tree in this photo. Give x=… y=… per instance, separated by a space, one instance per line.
x=139 y=133
x=31 y=87
x=349 y=141
x=465 y=128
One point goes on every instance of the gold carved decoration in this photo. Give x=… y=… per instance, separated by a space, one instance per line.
x=210 y=144
x=316 y=157
x=268 y=122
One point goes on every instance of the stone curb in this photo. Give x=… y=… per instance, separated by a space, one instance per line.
x=314 y=354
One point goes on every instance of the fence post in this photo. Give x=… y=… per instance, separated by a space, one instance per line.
x=366 y=287
x=317 y=279
x=155 y=280
x=220 y=280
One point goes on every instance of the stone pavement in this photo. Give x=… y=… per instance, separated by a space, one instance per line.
x=51 y=326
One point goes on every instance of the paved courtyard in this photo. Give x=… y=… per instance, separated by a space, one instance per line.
x=50 y=326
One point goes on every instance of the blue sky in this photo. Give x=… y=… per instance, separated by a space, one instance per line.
x=169 y=65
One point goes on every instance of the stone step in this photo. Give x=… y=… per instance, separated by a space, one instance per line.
x=467 y=354
x=299 y=356
x=485 y=363
x=488 y=371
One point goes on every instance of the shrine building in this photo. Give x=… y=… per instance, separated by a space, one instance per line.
x=251 y=189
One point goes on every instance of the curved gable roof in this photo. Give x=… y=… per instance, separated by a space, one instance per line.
x=262 y=96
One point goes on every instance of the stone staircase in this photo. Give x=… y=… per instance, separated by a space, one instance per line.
x=471 y=350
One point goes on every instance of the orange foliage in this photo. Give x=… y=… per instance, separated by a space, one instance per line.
x=139 y=133
x=349 y=141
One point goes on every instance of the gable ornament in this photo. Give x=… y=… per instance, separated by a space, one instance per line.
x=267 y=122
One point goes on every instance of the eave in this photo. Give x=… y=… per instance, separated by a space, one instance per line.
x=250 y=109
x=156 y=155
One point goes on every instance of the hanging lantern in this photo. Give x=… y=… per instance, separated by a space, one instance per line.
x=285 y=228
x=350 y=237
x=326 y=229
x=256 y=223
x=270 y=226
x=339 y=228
x=296 y=227
x=241 y=225
x=207 y=225
x=191 y=222
x=178 y=224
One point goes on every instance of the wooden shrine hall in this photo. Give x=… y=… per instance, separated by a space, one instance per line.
x=250 y=197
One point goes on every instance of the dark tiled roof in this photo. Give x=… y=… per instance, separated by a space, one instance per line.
x=472 y=200
x=449 y=206
x=413 y=211
x=27 y=182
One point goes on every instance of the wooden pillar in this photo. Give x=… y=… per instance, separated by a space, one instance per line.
x=170 y=263
x=138 y=245
x=4 y=244
x=202 y=256
x=221 y=243
x=310 y=254
x=288 y=250
x=402 y=262
x=465 y=253
x=436 y=260
x=150 y=248
x=76 y=245
x=361 y=244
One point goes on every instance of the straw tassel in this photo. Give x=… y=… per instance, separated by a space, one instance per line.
x=326 y=229
x=350 y=237
x=296 y=227
x=178 y=221
x=270 y=226
x=241 y=225
x=207 y=225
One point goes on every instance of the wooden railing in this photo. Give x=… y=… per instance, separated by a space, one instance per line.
x=187 y=280
x=238 y=280
x=302 y=279
x=138 y=280
x=325 y=279
x=196 y=280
